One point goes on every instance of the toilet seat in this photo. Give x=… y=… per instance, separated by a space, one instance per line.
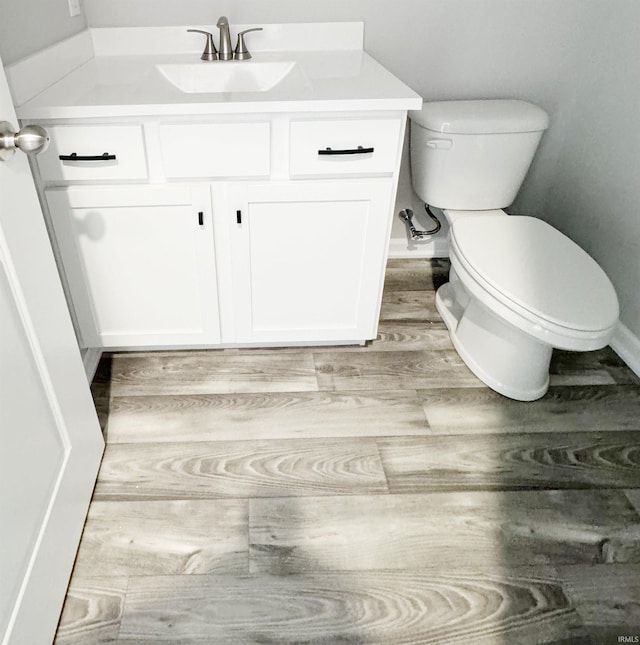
x=570 y=295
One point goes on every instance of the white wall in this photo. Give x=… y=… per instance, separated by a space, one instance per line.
x=27 y=26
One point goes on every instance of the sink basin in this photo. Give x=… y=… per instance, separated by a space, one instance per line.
x=226 y=76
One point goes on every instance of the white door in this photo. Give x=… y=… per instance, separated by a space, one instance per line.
x=50 y=440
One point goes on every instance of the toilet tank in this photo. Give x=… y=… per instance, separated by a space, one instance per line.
x=473 y=155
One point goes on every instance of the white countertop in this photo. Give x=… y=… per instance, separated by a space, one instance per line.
x=131 y=85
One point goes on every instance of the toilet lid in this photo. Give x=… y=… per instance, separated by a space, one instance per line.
x=526 y=261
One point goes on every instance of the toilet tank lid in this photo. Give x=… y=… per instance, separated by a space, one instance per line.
x=495 y=116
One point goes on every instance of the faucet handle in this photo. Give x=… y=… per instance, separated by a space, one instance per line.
x=241 y=52
x=209 y=52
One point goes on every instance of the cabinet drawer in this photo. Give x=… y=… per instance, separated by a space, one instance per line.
x=83 y=150
x=363 y=146
x=216 y=150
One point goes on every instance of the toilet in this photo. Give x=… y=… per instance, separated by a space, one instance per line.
x=517 y=286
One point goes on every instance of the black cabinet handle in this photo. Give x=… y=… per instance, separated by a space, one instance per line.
x=239 y=217
x=74 y=156
x=200 y=218
x=349 y=151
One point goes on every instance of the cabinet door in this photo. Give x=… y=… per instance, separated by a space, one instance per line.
x=139 y=264
x=308 y=259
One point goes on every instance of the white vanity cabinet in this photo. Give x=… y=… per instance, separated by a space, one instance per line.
x=249 y=229
x=216 y=204
x=139 y=263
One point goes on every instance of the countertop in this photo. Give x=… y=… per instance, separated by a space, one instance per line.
x=131 y=85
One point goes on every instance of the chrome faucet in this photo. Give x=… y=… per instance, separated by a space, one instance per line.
x=225 y=51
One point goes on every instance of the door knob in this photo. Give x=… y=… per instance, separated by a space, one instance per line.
x=31 y=139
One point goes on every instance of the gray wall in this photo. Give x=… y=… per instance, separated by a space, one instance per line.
x=27 y=26
x=578 y=59
x=592 y=191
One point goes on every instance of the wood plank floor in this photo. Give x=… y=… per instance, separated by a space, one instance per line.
x=360 y=495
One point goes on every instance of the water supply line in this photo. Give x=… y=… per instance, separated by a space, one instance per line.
x=417 y=234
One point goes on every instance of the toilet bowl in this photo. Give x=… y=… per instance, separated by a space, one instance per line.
x=517 y=287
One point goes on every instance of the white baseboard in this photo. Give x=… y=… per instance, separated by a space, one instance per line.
x=627 y=346
x=90 y=359
x=400 y=248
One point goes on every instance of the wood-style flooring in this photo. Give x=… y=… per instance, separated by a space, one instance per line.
x=360 y=495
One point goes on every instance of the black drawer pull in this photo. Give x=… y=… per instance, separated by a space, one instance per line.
x=349 y=151
x=74 y=156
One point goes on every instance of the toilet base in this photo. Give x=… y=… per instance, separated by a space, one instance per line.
x=508 y=360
